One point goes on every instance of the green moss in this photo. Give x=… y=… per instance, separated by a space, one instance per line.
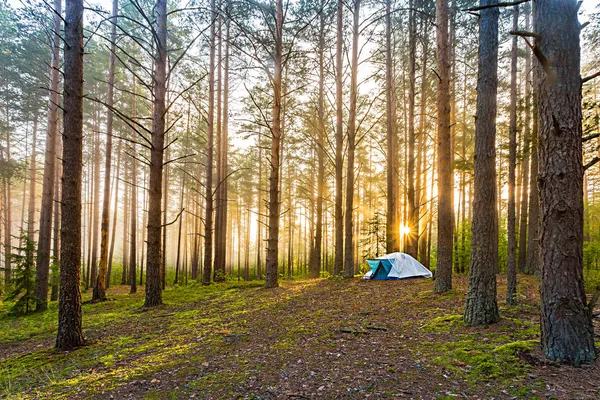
x=444 y=323
x=516 y=347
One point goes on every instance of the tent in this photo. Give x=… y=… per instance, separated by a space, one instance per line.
x=395 y=266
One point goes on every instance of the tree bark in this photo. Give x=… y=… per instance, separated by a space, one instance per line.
x=96 y=200
x=272 y=262
x=208 y=219
x=99 y=293
x=133 y=210
x=443 y=278
x=567 y=332
x=69 y=333
x=315 y=264
x=154 y=253
x=511 y=270
x=482 y=306
x=392 y=226
x=339 y=145
x=349 y=233
x=56 y=221
x=533 y=226
x=45 y=234
x=522 y=258
x=410 y=238
x=32 y=173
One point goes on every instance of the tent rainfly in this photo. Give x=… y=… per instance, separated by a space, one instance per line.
x=395 y=266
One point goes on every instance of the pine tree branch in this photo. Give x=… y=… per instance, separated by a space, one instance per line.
x=501 y=4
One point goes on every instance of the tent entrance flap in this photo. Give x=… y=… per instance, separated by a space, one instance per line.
x=380 y=269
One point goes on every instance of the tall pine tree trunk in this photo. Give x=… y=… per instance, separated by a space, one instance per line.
x=208 y=219
x=392 y=226
x=511 y=270
x=410 y=237
x=272 y=278
x=69 y=333
x=339 y=145
x=443 y=279
x=522 y=260
x=315 y=264
x=154 y=253
x=482 y=306
x=99 y=293
x=349 y=212
x=45 y=234
x=567 y=331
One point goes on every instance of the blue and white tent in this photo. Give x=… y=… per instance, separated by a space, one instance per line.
x=396 y=266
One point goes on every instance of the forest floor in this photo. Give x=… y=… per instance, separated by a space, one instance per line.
x=308 y=339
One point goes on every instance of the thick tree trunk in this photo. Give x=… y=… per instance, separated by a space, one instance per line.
x=511 y=270
x=392 y=233
x=272 y=278
x=482 y=306
x=154 y=253
x=99 y=293
x=443 y=278
x=45 y=234
x=567 y=331
x=69 y=333
x=349 y=212
x=339 y=145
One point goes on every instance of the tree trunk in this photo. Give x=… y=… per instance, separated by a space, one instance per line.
x=133 y=225
x=443 y=278
x=45 y=234
x=31 y=205
x=315 y=264
x=567 y=331
x=272 y=278
x=410 y=236
x=111 y=250
x=56 y=220
x=511 y=270
x=482 y=306
x=422 y=208
x=154 y=253
x=339 y=145
x=99 y=293
x=533 y=226
x=522 y=260
x=220 y=221
x=208 y=220
x=133 y=210
x=392 y=226
x=349 y=233
x=96 y=201
x=69 y=333
x=125 y=249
